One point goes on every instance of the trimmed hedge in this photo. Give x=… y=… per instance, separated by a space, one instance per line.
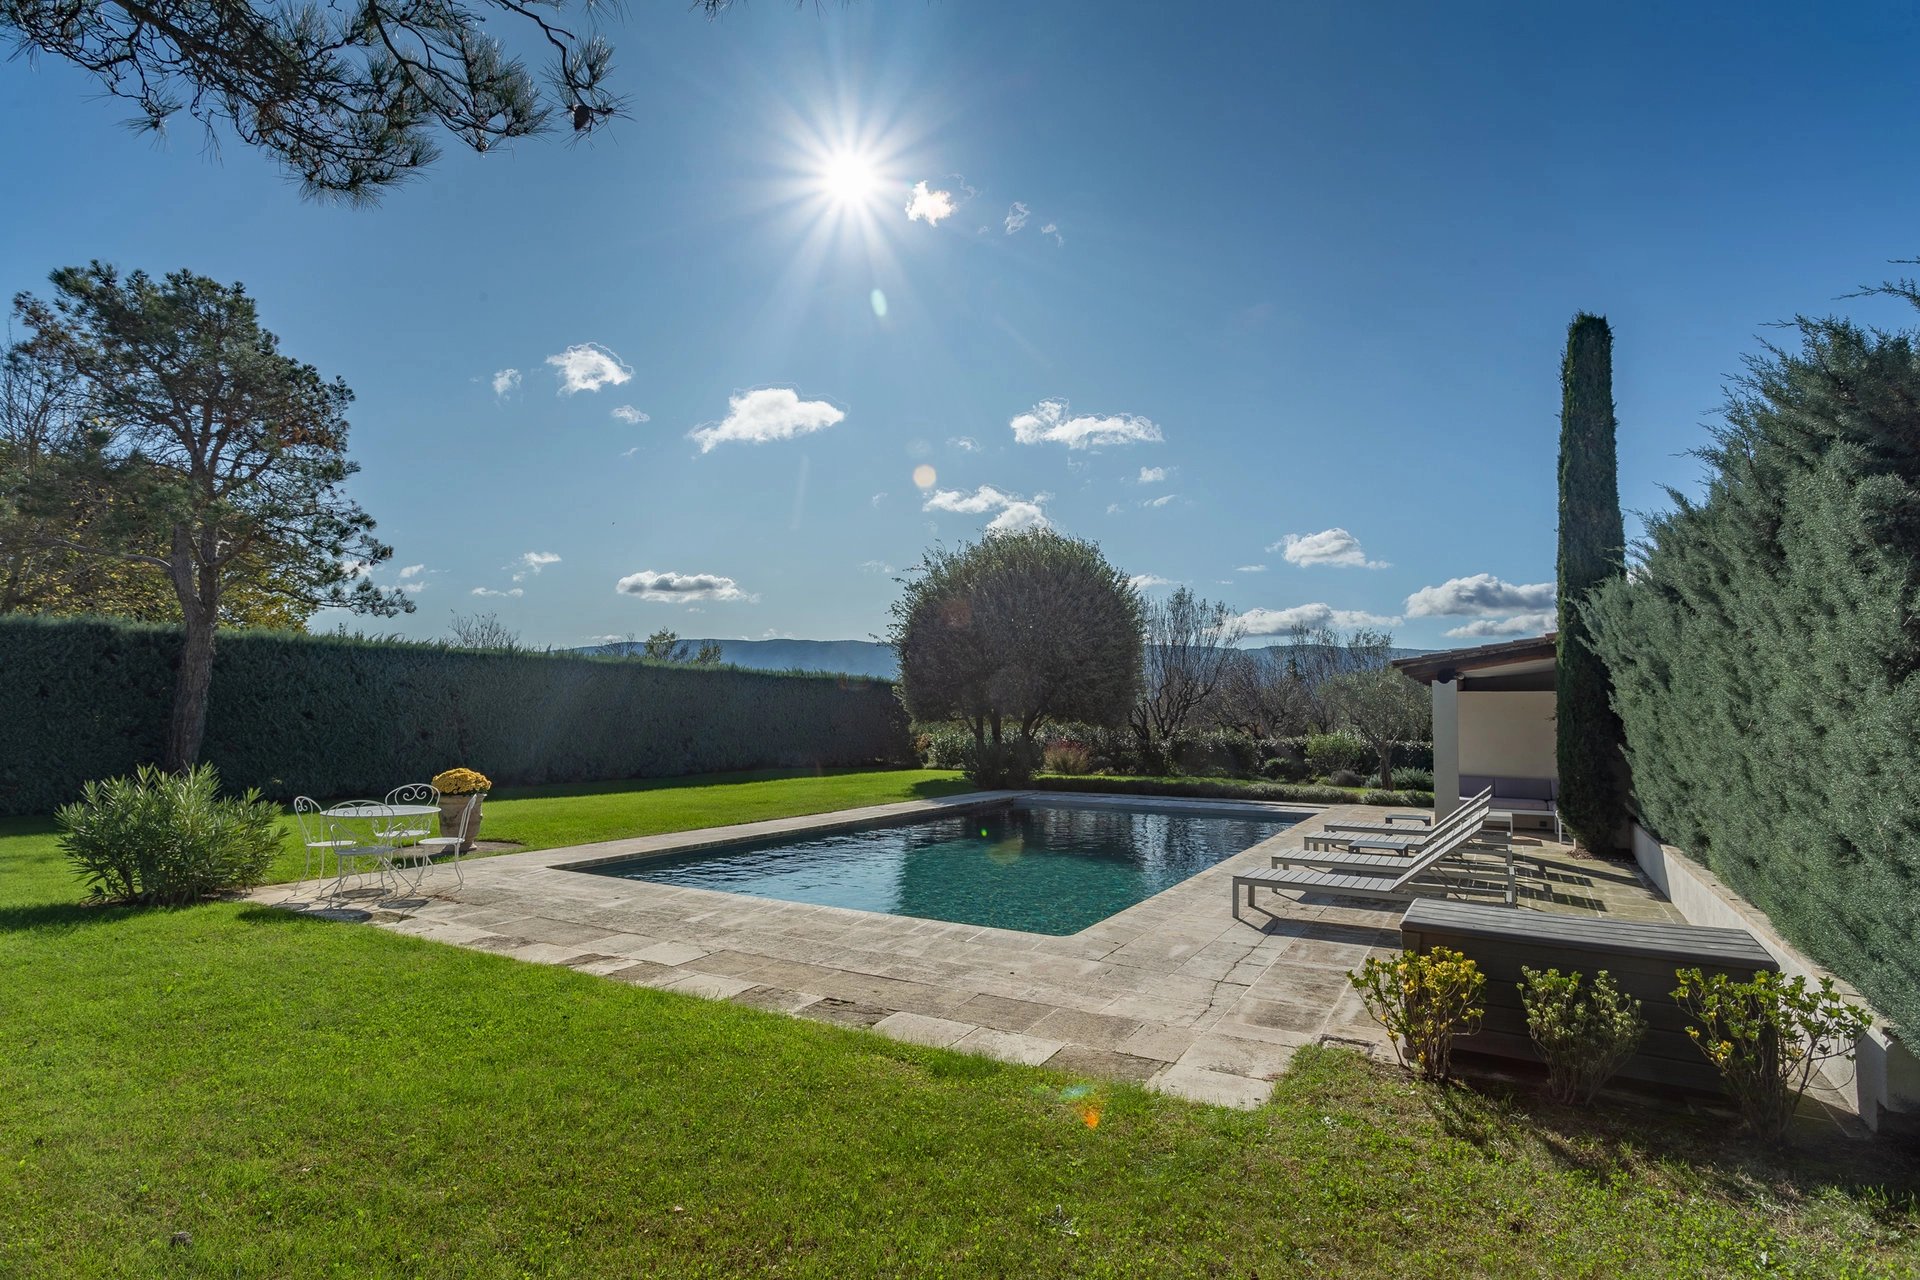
x=1208 y=789
x=333 y=716
x=1766 y=658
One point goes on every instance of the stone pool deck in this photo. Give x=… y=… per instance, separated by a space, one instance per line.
x=1173 y=993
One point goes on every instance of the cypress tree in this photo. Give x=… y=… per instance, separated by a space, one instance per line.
x=1592 y=550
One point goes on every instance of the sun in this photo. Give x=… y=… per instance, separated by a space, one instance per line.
x=849 y=178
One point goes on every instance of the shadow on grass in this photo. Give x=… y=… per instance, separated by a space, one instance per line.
x=1643 y=1139
x=316 y=913
x=53 y=917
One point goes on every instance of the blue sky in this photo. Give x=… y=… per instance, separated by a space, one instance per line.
x=1199 y=282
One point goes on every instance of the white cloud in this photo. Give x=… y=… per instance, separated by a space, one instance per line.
x=512 y=593
x=1160 y=501
x=1249 y=568
x=628 y=453
x=532 y=562
x=1051 y=422
x=1335 y=547
x=628 y=414
x=1142 y=581
x=770 y=413
x=965 y=444
x=1154 y=475
x=1052 y=229
x=878 y=566
x=1278 y=622
x=1016 y=217
x=412 y=580
x=1114 y=508
x=1014 y=512
x=1479 y=596
x=1520 y=624
x=588 y=367
x=412 y=571
x=929 y=206
x=680 y=588
x=505 y=380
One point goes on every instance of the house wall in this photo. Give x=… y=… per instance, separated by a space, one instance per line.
x=1505 y=735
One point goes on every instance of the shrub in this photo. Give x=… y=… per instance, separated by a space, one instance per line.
x=1767 y=1036
x=1327 y=753
x=1413 y=779
x=336 y=715
x=1064 y=756
x=1424 y=1000
x=1000 y=764
x=1232 y=789
x=1345 y=778
x=1584 y=1037
x=160 y=839
x=1285 y=769
x=1213 y=753
x=943 y=746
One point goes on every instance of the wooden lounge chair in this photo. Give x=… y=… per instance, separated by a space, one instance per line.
x=1347 y=876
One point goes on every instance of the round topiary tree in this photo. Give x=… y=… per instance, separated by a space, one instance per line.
x=1012 y=632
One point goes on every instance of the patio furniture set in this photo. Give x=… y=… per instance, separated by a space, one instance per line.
x=395 y=839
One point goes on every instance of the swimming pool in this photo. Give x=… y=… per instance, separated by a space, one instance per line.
x=1041 y=867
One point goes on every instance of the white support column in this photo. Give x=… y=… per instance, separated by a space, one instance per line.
x=1446 y=748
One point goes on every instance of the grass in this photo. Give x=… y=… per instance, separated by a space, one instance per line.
x=586 y=812
x=300 y=1097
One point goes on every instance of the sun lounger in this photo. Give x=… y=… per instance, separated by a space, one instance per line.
x=1399 y=824
x=1361 y=876
x=1468 y=816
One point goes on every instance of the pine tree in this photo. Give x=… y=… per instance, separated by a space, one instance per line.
x=1592 y=551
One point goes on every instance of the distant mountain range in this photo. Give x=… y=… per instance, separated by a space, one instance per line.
x=842 y=657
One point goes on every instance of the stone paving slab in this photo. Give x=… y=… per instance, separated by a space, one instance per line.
x=1173 y=993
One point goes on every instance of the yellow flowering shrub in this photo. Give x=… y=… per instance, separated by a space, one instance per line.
x=461 y=782
x=1424 y=1001
x=1767 y=1036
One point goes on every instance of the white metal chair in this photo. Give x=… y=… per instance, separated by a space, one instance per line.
x=314 y=834
x=354 y=830
x=406 y=829
x=444 y=843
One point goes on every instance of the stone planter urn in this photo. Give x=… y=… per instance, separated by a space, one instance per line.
x=450 y=811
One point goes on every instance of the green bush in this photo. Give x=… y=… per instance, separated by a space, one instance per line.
x=1584 y=1037
x=332 y=716
x=1424 y=1000
x=1009 y=763
x=942 y=746
x=1226 y=789
x=1213 y=753
x=1414 y=755
x=1412 y=779
x=1767 y=1036
x=1345 y=778
x=1328 y=753
x=160 y=839
x=1065 y=756
x=1766 y=663
x=1285 y=769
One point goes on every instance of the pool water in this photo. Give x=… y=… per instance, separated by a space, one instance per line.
x=1041 y=868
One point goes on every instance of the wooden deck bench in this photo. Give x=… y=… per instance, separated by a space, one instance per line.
x=1640 y=956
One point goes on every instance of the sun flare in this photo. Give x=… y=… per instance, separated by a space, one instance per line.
x=849 y=178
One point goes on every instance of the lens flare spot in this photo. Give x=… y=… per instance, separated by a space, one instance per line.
x=924 y=476
x=1090 y=1114
x=878 y=300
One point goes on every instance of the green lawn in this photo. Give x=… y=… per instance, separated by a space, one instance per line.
x=304 y=1098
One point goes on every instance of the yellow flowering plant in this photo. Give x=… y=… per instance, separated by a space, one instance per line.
x=1767 y=1036
x=461 y=782
x=1424 y=1001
